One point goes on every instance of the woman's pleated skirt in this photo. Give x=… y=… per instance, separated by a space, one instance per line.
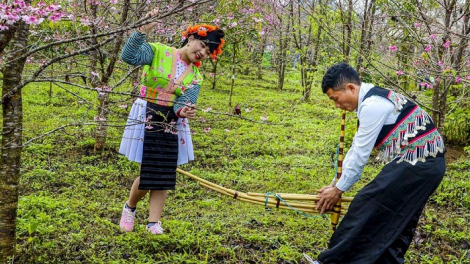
x=151 y=138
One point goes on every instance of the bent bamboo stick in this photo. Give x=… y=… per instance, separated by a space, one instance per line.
x=258 y=198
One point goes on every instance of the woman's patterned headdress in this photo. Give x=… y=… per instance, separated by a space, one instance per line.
x=203 y=32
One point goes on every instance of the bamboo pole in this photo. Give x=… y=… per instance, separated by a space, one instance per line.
x=337 y=207
x=262 y=199
x=306 y=197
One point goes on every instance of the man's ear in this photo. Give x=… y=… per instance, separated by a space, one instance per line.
x=351 y=87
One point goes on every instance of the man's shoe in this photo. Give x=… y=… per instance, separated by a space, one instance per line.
x=310 y=260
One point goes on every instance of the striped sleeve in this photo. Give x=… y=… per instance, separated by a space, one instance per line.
x=136 y=51
x=190 y=96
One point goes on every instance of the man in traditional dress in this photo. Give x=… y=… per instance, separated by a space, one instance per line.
x=383 y=216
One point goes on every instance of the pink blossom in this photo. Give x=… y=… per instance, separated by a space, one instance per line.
x=3 y=27
x=53 y=8
x=85 y=22
x=417 y=24
x=440 y=63
x=207 y=129
x=212 y=74
x=227 y=130
x=458 y=79
x=264 y=118
x=468 y=63
x=446 y=45
x=400 y=73
x=393 y=48
x=428 y=48
x=234 y=24
x=207 y=110
x=32 y=20
x=432 y=36
x=123 y=106
x=248 y=110
x=55 y=17
x=467 y=77
x=113 y=1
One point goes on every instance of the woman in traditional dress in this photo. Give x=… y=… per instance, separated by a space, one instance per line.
x=169 y=89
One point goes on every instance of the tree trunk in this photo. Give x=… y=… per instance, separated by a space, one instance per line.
x=283 y=44
x=6 y=37
x=12 y=133
x=347 y=50
x=233 y=74
x=364 y=35
x=259 y=72
x=439 y=100
x=214 y=71
x=101 y=132
x=312 y=66
x=443 y=109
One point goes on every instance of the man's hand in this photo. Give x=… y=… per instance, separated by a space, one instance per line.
x=329 y=196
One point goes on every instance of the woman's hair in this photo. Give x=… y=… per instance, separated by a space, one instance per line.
x=211 y=35
x=337 y=75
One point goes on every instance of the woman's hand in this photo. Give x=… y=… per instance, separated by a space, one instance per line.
x=145 y=29
x=188 y=111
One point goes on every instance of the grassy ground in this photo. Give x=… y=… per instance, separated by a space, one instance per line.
x=71 y=198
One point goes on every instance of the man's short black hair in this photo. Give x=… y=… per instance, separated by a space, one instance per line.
x=337 y=75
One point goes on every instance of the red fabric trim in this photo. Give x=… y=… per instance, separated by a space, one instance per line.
x=423 y=135
x=178 y=113
x=398 y=124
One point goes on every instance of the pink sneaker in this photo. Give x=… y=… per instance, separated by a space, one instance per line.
x=156 y=229
x=127 y=219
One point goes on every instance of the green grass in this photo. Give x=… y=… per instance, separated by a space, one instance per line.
x=71 y=197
